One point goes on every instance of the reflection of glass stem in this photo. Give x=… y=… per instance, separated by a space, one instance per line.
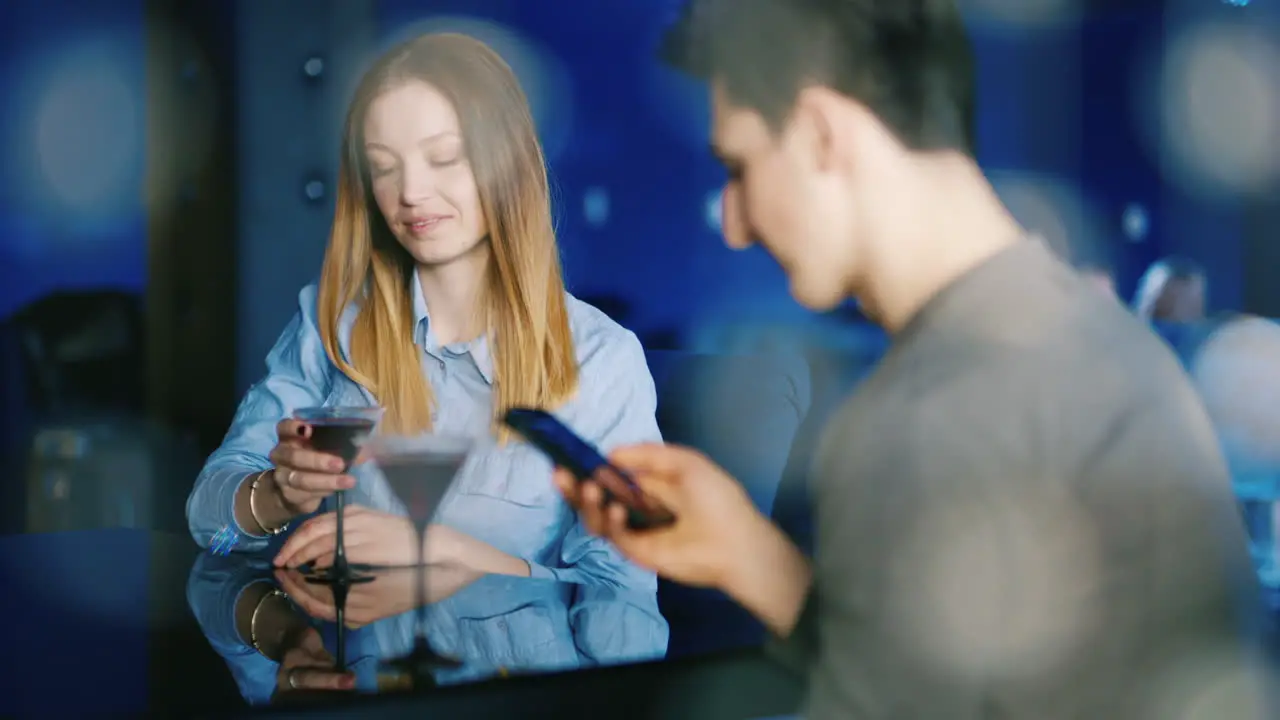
x=420 y=572
x=340 y=590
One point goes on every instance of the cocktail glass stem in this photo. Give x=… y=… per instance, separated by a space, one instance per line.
x=340 y=568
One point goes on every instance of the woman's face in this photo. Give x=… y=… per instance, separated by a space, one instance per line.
x=422 y=179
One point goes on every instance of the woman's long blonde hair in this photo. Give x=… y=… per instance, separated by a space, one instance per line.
x=524 y=311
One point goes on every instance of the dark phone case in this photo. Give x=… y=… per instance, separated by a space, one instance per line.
x=637 y=519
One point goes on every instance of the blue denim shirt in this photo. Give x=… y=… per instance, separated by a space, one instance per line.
x=496 y=623
x=504 y=495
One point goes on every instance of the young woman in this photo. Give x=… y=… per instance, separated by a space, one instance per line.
x=441 y=299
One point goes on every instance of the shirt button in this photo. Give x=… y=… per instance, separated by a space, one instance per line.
x=502 y=624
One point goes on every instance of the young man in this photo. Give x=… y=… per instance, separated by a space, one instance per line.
x=1023 y=511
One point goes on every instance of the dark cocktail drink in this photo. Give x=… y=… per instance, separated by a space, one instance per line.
x=340 y=436
x=420 y=470
x=421 y=481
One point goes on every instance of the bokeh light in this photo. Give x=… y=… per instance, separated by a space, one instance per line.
x=84 y=132
x=1236 y=374
x=595 y=206
x=713 y=210
x=1135 y=223
x=1220 y=107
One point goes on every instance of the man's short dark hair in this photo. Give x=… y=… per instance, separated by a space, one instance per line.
x=908 y=61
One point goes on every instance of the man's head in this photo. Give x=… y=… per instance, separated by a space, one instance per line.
x=821 y=109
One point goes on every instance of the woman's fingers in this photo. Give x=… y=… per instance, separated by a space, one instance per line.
x=314 y=678
x=315 y=529
x=305 y=459
x=291 y=429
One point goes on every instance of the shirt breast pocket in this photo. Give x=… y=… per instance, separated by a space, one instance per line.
x=515 y=473
x=525 y=638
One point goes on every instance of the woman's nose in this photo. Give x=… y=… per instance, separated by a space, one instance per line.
x=417 y=184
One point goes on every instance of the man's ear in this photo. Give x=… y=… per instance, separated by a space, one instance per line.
x=817 y=115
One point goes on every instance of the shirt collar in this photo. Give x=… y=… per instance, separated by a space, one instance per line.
x=477 y=349
x=421 y=319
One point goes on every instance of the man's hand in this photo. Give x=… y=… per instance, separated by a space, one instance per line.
x=712 y=512
x=719 y=539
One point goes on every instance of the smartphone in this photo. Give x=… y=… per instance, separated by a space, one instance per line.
x=564 y=447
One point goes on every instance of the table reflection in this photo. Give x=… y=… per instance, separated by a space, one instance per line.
x=277 y=635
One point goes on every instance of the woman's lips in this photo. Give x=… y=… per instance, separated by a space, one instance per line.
x=423 y=226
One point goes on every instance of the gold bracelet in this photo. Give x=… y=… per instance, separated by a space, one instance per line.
x=253 y=510
x=253 y=619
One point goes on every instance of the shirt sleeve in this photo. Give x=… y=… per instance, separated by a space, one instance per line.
x=797 y=650
x=297 y=376
x=214 y=589
x=614 y=615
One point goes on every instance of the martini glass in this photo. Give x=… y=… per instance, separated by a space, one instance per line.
x=339 y=431
x=420 y=470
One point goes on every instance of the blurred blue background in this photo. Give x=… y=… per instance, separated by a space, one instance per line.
x=1125 y=130
x=166 y=191
x=72 y=126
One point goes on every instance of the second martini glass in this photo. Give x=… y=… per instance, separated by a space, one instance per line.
x=420 y=470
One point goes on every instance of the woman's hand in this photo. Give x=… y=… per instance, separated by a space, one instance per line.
x=370 y=538
x=306 y=665
x=304 y=477
x=389 y=593
x=386 y=540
